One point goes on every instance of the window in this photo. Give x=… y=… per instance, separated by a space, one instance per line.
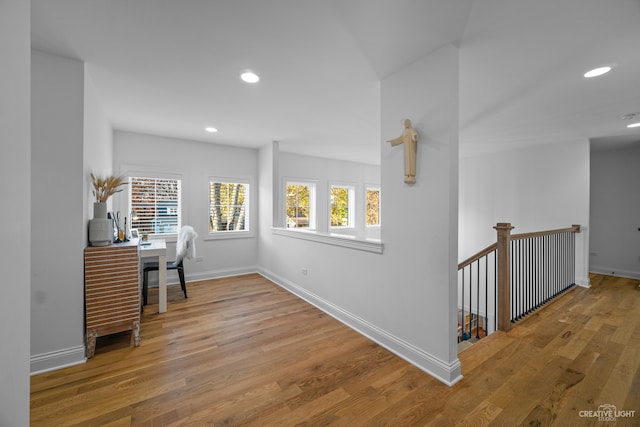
x=228 y=206
x=154 y=204
x=341 y=206
x=372 y=208
x=300 y=208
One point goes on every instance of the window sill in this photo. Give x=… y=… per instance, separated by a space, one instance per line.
x=229 y=235
x=346 y=241
x=341 y=229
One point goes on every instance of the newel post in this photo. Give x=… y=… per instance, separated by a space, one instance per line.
x=504 y=273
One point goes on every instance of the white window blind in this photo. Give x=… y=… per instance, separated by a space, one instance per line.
x=155 y=205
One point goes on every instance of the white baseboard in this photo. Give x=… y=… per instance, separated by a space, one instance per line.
x=217 y=274
x=58 y=359
x=172 y=277
x=609 y=271
x=448 y=373
x=583 y=281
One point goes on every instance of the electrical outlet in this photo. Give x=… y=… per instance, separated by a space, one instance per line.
x=198 y=259
x=304 y=271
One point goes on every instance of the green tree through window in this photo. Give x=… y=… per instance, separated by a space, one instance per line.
x=373 y=207
x=298 y=205
x=228 y=206
x=340 y=207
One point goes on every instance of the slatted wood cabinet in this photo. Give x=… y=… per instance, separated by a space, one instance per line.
x=112 y=292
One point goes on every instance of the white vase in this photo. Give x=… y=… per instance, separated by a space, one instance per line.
x=100 y=227
x=100 y=210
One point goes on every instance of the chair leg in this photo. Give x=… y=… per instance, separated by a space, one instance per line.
x=145 y=287
x=182 y=281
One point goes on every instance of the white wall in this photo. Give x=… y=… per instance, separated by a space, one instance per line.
x=98 y=147
x=421 y=221
x=404 y=298
x=57 y=225
x=535 y=188
x=325 y=172
x=195 y=162
x=15 y=167
x=615 y=212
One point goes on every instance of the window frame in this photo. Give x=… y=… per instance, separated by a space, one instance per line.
x=312 y=222
x=249 y=203
x=351 y=197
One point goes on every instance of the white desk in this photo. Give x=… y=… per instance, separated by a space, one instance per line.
x=157 y=248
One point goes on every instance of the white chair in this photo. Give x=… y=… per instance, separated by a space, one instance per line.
x=185 y=248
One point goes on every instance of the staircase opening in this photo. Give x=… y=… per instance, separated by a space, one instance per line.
x=511 y=278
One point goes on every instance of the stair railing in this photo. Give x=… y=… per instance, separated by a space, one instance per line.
x=513 y=277
x=477 y=294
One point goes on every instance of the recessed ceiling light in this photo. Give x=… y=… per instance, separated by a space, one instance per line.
x=250 y=77
x=634 y=125
x=211 y=129
x=597 y=72
x=631 y=116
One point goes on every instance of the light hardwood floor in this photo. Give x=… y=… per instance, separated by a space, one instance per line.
x=242 y=351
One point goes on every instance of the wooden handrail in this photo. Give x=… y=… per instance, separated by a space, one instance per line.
x=493 y=247
x=477 y=256
x=574 y=228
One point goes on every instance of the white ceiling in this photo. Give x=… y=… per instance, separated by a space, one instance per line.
x=171 y=67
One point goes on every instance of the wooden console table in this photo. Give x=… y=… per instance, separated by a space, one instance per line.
x=112 y=292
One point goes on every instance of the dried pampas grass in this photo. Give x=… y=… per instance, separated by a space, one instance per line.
x=103 y=188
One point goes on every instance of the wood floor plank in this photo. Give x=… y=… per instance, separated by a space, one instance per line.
x=616 y=387
x=243 y=351
x=482 y=415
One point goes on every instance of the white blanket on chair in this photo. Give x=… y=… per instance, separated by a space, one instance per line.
x=186 y=244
